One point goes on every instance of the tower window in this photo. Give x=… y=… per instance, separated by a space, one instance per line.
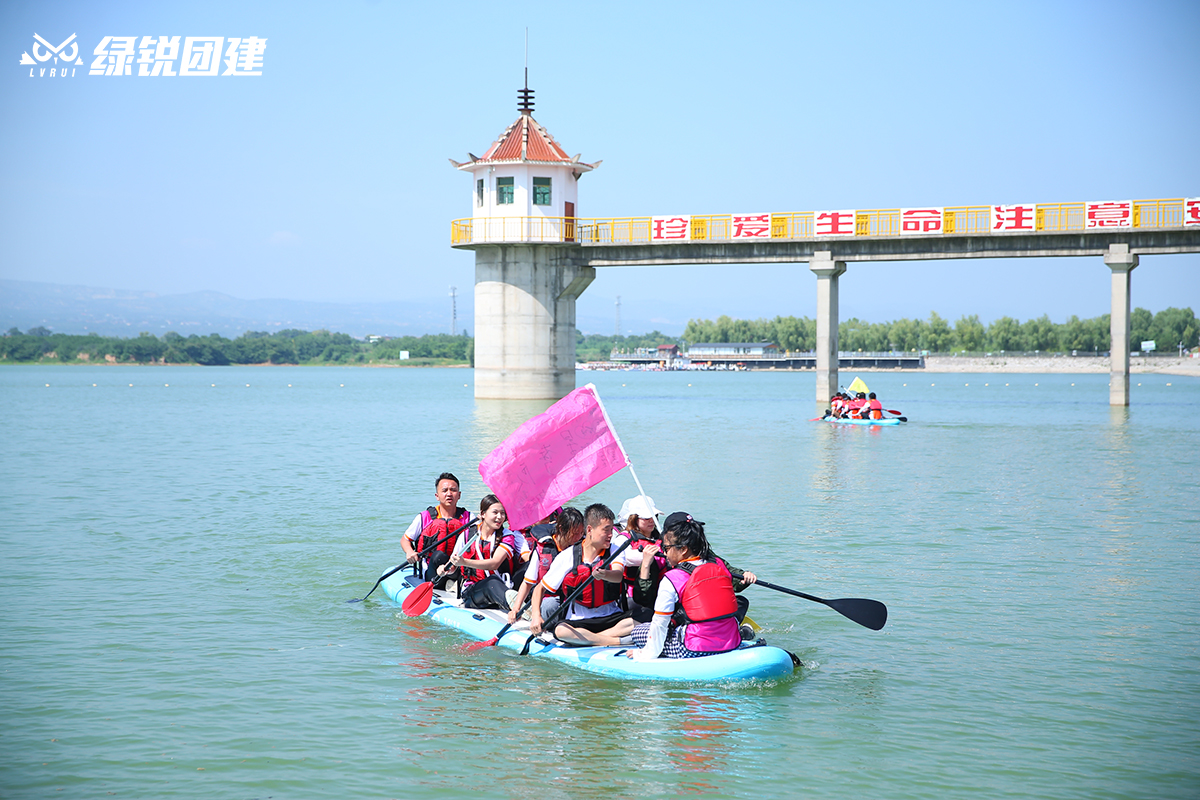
x=504 y=191
x=541 y=191
x=479 y=192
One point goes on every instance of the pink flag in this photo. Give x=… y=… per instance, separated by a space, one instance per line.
x=553 y=457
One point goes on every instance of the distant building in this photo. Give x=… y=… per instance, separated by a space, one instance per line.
x=732 y=350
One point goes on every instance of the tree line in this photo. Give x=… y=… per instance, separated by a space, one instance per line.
x=1167 y=328
x=290 y=346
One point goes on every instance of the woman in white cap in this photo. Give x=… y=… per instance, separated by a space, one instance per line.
x=638 y=514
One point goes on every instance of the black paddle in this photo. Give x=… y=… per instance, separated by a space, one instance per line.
x=897 y=415
x=868 y=613
x=561 y=611
x=393 y=571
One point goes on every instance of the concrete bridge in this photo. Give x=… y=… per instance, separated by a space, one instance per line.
x=534 y=256
x=526 y=289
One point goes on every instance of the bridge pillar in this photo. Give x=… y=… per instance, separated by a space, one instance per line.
x=827 y=271
x=525 y=320
x=1121 y=262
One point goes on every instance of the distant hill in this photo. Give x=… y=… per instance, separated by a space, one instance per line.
x=117 y=312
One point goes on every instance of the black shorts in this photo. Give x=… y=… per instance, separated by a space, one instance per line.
x=598 y=624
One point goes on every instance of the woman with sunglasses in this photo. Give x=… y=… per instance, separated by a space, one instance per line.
x=695 y=610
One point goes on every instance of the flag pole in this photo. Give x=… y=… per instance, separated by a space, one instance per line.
x=616 y=437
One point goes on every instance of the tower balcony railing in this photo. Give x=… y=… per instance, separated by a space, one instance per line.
x=802 y=225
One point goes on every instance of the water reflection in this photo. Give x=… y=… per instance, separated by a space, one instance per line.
x=493 y=420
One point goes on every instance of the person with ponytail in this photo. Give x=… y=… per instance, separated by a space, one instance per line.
x=568 y=531
x=696 y=611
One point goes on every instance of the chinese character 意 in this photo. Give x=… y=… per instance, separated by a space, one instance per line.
x=1013 y=218
x=920 y=220
x=669 y=227
x=834 y=223
x=1110 y=214
x=1191 y=211
x=751 y=226
x=244 y=56
x=201 y=55
x=114 y=56
x=156 y=57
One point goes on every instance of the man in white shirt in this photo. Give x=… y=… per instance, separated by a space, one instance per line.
x=598 y=616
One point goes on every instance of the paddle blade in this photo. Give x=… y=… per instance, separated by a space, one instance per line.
x=418 y=600
x=868 y=613
x=471 y=647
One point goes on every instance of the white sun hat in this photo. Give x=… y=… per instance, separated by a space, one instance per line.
x=642 y=505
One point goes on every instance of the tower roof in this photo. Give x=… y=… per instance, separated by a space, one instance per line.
x=526 y=141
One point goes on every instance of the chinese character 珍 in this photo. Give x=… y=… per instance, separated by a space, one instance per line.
x=669 y=227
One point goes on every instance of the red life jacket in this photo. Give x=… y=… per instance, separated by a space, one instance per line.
x=598 y=592
x=482 y=551
x=544 y=551
x=876 y=409
x=707 y=606
x=434 y=528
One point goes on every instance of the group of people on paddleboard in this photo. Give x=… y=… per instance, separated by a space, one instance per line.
x=659 y=593
x=854 y=405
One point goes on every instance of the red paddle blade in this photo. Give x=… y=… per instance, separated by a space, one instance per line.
x=471 y=647
x=418 y=600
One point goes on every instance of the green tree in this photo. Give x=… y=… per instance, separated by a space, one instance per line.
x=907 y=334
x=145 y=348
x=1141 y=327
x=1176 y=325
x=1005 y=334
x=937 y=335
x=1040 y=334
x=969 y=333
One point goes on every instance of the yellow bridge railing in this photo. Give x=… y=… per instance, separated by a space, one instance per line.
x=803 y=225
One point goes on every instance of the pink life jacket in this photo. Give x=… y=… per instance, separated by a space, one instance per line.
x=707 y=606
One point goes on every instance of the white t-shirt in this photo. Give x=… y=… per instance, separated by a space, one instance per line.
x=564 y=562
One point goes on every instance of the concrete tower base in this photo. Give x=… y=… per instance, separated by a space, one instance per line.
x=525 y=320
x=827 y=271
x=1121 y=262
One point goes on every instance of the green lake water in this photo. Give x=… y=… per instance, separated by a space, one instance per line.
x=177 y=556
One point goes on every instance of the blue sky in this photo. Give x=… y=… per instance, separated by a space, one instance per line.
x=327 y=177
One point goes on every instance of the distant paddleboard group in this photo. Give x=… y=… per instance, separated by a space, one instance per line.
x=857 y=404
